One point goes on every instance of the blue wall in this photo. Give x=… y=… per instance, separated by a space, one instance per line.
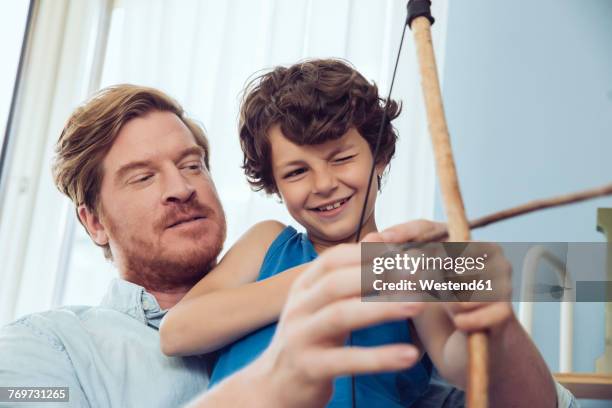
x=528 y=95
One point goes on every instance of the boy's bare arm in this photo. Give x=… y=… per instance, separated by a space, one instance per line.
x=516 y=364
x=518 y=375
x=440 y=338
x=228 y=303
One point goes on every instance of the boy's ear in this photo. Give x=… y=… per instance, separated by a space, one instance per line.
x=92 y=223
x=380 y=169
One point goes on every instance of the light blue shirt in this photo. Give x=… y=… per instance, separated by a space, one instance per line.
x=108 y=355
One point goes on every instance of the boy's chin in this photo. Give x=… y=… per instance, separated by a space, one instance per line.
x=337 y=235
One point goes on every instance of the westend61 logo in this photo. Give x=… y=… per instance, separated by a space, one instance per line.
x=487 y=271
x=412 y=264
x=430 y=270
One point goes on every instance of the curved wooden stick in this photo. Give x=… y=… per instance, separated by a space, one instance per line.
x=458 y=228
x=526 y=208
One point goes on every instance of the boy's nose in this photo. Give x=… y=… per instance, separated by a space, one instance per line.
x=325 y=182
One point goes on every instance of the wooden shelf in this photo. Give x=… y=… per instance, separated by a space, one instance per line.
x=590 y=386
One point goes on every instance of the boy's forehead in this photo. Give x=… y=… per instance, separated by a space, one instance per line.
x=352 y=136
x=283 y=149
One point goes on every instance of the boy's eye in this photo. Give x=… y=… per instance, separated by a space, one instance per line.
x=294 y=173
x=344 y=158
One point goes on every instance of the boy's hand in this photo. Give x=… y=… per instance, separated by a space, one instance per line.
x=466 y=316
x=483 y=314
x=519 y=376
x=405 y=232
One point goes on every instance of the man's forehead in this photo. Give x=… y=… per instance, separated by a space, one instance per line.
x=153 y=137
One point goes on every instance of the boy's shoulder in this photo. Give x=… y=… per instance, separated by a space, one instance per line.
x=265 y=231
x=260 y=235
x=272 y=227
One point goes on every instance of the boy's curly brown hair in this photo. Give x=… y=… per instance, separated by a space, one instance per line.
x=312 y=101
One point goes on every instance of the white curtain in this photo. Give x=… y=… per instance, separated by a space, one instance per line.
x=12 y=24
x=60 y=70
x=203 y=52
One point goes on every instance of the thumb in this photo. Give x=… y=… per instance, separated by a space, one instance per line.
x=372 y=237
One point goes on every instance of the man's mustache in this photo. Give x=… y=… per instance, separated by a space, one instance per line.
x=178 y=213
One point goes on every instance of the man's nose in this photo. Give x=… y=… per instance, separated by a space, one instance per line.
x=325 y=182
x=177 y=189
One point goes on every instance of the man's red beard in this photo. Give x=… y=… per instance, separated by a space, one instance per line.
x=156 y=269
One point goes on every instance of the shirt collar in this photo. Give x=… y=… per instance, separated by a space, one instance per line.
x=133 y=300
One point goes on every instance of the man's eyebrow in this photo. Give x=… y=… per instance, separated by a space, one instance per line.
x=195 y=150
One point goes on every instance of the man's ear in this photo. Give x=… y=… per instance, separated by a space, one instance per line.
x=91 y=221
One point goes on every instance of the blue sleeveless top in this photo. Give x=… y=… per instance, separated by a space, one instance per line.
x=395 y=389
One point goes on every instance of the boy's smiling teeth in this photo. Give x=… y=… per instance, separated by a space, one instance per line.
x=332 y=206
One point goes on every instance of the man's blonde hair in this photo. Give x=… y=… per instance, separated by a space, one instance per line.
x=91 y=131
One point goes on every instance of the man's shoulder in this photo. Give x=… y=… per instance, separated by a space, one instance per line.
x=52 y=316
x=51 y=323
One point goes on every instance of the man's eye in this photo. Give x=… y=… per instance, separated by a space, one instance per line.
x=294 y=173
x=344 y=159
x=196 y=166
x=141 y=179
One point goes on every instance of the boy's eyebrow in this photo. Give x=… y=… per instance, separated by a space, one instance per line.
x=331 y=154
x=291 y=163
x=135 y=165
x=339 y=149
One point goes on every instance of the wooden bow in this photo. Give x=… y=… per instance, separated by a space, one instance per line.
x=458 y=228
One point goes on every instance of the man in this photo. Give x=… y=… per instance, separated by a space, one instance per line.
x=137 y=170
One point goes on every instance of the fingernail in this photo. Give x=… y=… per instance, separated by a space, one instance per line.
x=409 y=307
x=388 y=235
x=408 y=354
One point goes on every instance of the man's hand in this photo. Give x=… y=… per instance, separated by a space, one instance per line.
x=308 y=349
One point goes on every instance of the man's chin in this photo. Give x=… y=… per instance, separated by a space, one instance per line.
x=176 y=260
x=202 y=250
x=199 y=260
x=168 y=270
